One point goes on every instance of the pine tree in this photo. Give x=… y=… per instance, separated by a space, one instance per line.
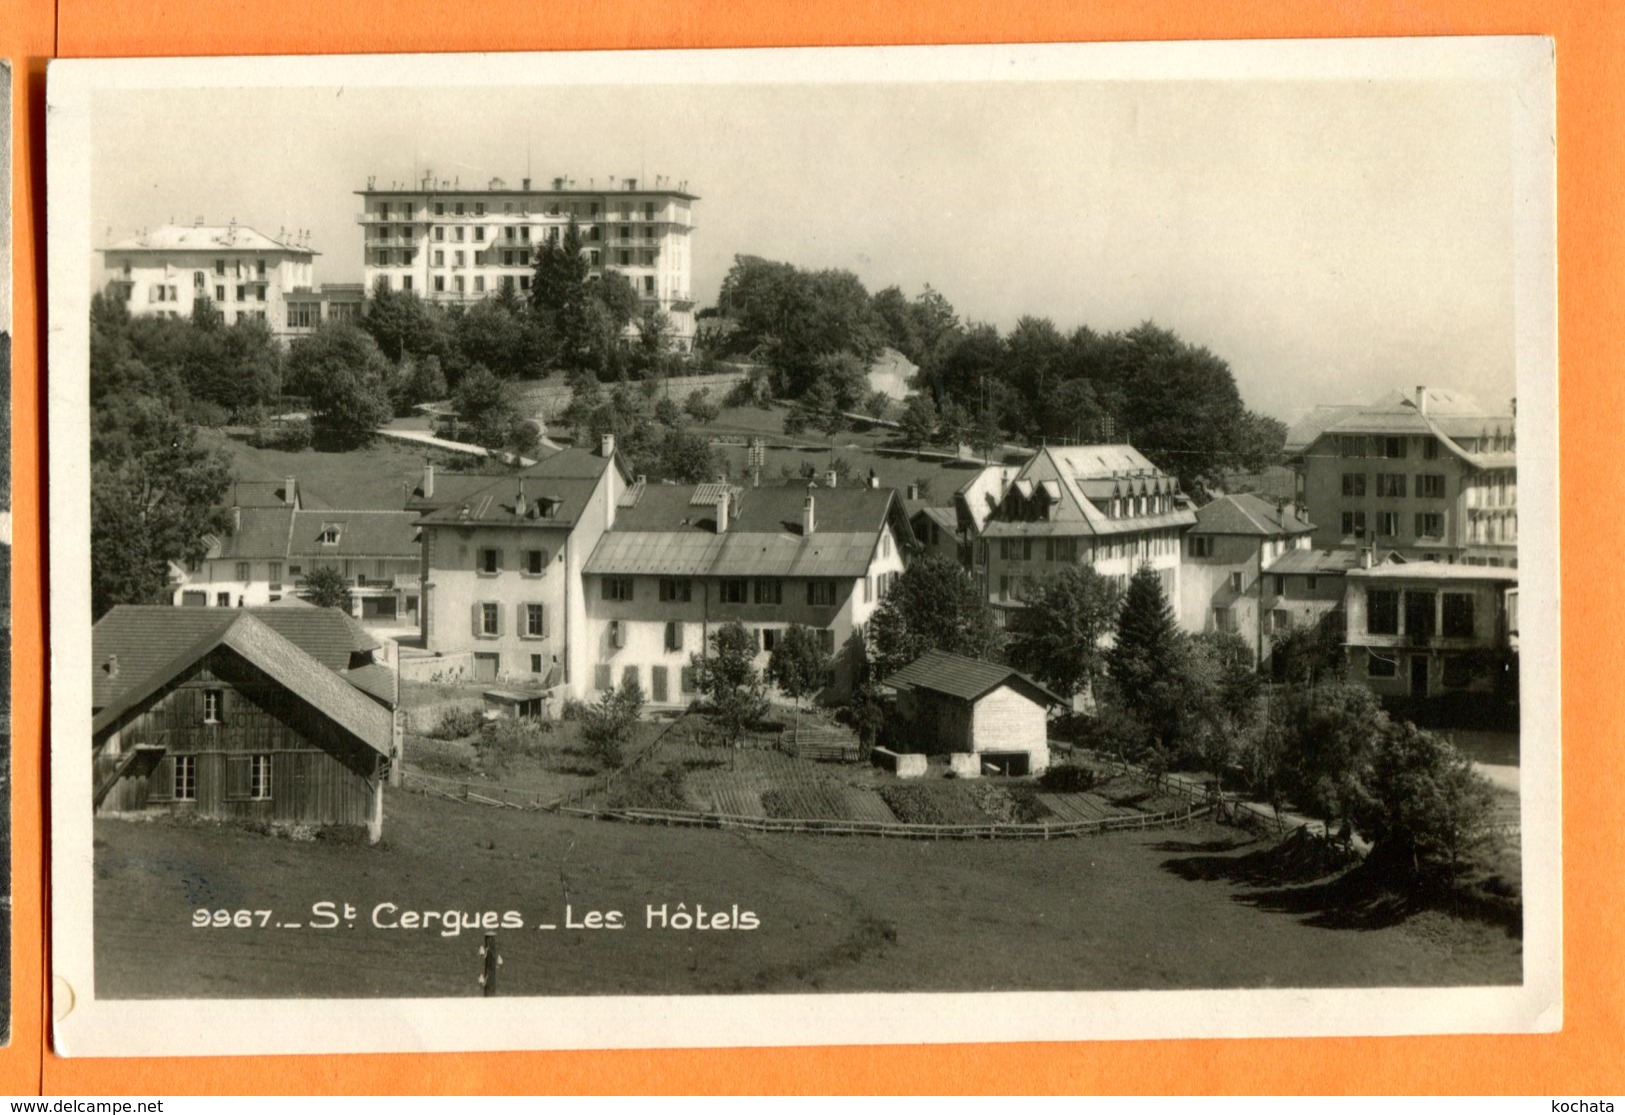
x=1149 y=659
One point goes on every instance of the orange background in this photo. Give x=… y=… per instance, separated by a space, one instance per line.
x=1588 y=1057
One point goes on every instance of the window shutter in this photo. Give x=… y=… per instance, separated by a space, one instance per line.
x=161 y=784
x=238 y=784
x=686 y=679
x=522 y=628
x=477 y=631
x=543 y=609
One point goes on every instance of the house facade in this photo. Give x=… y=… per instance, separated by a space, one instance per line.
x=267 y=553
x=502 y=568
x=683 y=560
x=1101 y=505
x=1422 y=629
x=220 y=714
x=1430 y=475
x=245 y=273
x=986 y=718
x=451 y=243
x=1223 y=585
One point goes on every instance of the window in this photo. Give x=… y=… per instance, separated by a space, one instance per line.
x=487 y=620
x=479 y=284
x=440 y=233
x=242 y=292
x=1353 y=522
x=479 y=208
x=457 y=208
x=593 y=257
x=826 y=641
x=536 y=664
x=245 y=570
x=214 y=706
x=458 y=234
x=406 y=284
x=259 y=269
x=1235 y=582
x=185 y=778
x=1388 y=523
x=732 y=592
x=1380 y=667
x=439 y=259
x=676 y=591
x=200 y=280
x=821 y=593
x=456 y=259
x=458 y=282
x=489 y=561
x=1350 y=446
x=220 y=267
x=1201 y=545
x=602 y=678
x=1430 y=449
x=1223 y=620
x=259 y=777
x=1310 y=583
x=273 y=573
x=439 y=284
x=1430 y=485
x=1354 y=484
x=1419 y=614
x=1280 y=585
x=617 y=588
x=1430 y=524
x=535 y=621
x=1391 y=485
x=222 y=600
x=674 y=636
x=768 y=637
x=769 y=591
x=1381 y=612
x=1392 y=448
x=219 y=293
x=1458 y=615
x=535 y=562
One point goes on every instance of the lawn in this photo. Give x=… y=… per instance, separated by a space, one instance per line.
x=1198 y=907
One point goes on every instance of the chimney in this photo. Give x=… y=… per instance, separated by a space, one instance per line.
x=808 y=521
x=1365 y=556
x=519 y=503
x=112 y=665
x=913 y=491
x=290 y=491
x=831 y=478
x=428 y=480
x=1421 y=400
x=722 y=512
x=874 y=481
x=606 y=446
x=236 y=519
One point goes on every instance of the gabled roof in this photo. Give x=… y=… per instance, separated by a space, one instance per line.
x=360 y=534
x=1248 y=514
x=966 y=678
x=144 y=636
x=1323 y=563
x=262 y=493
x=562 y=482
x=257 y=643
x=207 y=238
x=981 y=495
x=1445 y=414
x=1060 y=475
x=665 y=533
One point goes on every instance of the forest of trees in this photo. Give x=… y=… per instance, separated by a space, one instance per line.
x=1176 y=402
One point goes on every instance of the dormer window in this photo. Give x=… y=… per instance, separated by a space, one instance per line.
x=330 y=533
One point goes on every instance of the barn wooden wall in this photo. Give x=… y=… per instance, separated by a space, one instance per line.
x=319 y=773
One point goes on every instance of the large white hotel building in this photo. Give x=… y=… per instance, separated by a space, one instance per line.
x=454 y=243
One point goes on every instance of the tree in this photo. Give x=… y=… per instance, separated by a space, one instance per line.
x=654 y=342
x=686 y=457
x=607 y=725
x=340 y=369
x=1057 y=637
x=559 y=296
x=1148 y=659
x=791 y=318
x=798 y=666
x=155 y=494
x=934 y=605
x=728 y=678
x=1225 y=699
x=700 y=407
x=918 y=425
x=1307 y=652
x=402 y=324
x=326 y=587
x=1421 y=801
x=492 y=336
x=417 y=380
x=488 y=412
x=1329 y=732
x=1259 y=441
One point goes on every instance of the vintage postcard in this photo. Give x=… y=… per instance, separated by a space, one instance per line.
x=803 y=547
x=5 y=551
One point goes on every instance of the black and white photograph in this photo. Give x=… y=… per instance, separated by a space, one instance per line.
x=5 y=552
x=803 y=546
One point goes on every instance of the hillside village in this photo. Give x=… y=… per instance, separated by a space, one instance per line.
x=512 y=524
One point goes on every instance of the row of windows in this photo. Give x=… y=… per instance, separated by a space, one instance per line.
x=238 y=270
x=1391 y=485
x=530 y=618
x=490 y=560
x=628 y=210
x=1424 y=613
x=1428 y=524
x=247 y=776
x=360 y=570
x=1384 y=447
x=1456 y=672
x=659 y=689
x=1070 y=550
x=731 y=590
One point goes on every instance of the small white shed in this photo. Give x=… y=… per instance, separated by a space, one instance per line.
x=994 y=716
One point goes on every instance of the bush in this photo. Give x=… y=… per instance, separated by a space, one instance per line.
x=500 y=742
x=457 y=723
x=668 y=413
x=573 y=708
x=701 y=408
x=1068 y=778
x=292 y=435
x=647 y=788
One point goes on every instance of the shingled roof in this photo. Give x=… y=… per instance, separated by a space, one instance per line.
x=144 y=637
x=553 y=492
x=1246 y=513
x=255 y=641
x=207 y=238
x=968 y=679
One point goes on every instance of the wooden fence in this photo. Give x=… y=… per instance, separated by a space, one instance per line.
x=899 y=829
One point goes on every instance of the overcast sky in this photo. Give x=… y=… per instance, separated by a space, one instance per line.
x=1330 y=240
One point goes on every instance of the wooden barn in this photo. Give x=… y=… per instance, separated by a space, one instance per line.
x=988 y=719
x=215 y=712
